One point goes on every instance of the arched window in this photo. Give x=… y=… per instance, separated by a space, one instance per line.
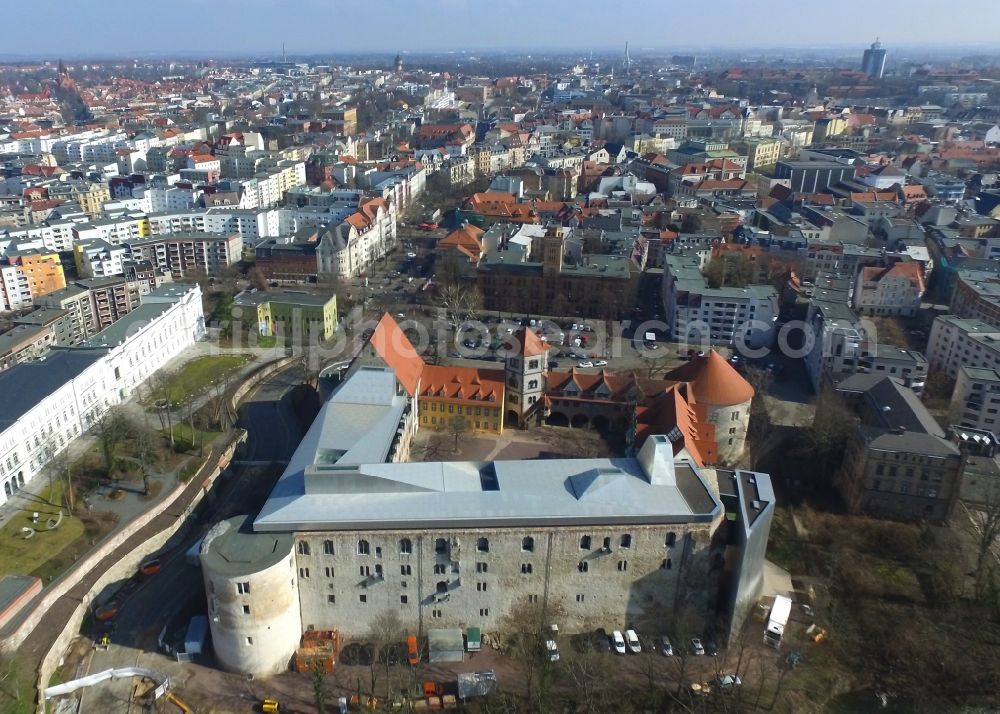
x=303 y=548
x=533 y=384
x=442 y=587
x=440 y=546
x=626 y=540
x=528 y=544
x=585 y=542
x=328 y=547
x=483 y=545
x=406 y=546
x=363 y=547
x=671 y=539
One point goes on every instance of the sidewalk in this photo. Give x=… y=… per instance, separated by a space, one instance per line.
x=28 y=498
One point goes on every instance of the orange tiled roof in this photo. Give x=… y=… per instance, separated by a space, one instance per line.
x=462 y=383
x=527 y=344
x=713 y=380
x=465 y=239
x=395 y=348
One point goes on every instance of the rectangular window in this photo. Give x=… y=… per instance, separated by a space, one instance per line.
x=243 y=588
x=532 y=599
x=303 y=572
x=436 y=614
x=579 y=597
x=328 y=572
x=249 y=640
x=481 y=587
x=246 y=609
x=525 y=568
x=484 y=612
x=363 y=597
x=403 y=599
x=331 y=599
x=622 y=565
x=405 y=570
x=482 y=567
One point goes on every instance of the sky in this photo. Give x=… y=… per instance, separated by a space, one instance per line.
x=253 y=27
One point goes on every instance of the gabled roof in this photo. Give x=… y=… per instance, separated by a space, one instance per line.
x=398 y=352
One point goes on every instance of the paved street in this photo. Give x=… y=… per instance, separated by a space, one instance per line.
x=267 y=415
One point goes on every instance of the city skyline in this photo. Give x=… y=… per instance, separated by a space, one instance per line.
x=256 y=27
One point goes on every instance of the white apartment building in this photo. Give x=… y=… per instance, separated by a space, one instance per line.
x=51 y=235
x=697 y=314
x=97 y=258
x=50 y=402
x=957 y=342
x=115 y=230
x=893 y=290
x=15 y=290
x=975 y=403
x=169 y=199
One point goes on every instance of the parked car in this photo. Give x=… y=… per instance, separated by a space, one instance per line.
x=632 y=640
x=618 y=641
x=711 y=649
x=411 y=256
x=551 y=651
x=585 y=365
x=666 y=649
x=696 y=647
x=601 y=363
x=726 y=681
x=428 y=226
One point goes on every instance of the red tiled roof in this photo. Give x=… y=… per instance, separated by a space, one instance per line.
x=395 y=348
x=526 y=343
x=462 y=383
x=713 y=380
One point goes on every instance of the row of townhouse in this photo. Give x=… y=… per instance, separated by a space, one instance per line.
x=49 y=403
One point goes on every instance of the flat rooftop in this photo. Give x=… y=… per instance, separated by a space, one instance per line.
x=232 y=548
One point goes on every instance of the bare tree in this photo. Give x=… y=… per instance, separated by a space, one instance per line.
x=460 y=302
x=257 y=279
x=60 y=465
x=987 y=525
x=458 y=427
x=111 y=428
x=386 y=632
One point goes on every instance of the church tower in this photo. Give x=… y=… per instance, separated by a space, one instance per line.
x=524 y=368
x=398 y=63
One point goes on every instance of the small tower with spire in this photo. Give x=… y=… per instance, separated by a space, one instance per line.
x=62 y=69
x=398 y=63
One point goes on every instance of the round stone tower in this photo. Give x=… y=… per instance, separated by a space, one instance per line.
x=253 y=597
x=724 y=395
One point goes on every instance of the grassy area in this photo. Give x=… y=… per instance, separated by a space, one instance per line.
x=47 y=553
x=186 y=439
x=195 y=377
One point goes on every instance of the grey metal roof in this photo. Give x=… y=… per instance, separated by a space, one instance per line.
x=23 y=386
x=115 y=334
x=232 y=548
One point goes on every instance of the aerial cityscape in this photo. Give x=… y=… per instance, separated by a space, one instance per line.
x=502 y=358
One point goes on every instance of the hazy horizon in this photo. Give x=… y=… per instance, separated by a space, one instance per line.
x=115 y=28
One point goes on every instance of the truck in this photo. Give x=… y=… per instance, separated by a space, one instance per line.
x=780 y=611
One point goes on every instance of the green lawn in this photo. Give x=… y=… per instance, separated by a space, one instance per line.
x=31 y=556
x=195 y=377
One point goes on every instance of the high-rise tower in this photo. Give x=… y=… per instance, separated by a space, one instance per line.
x=873 y=61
